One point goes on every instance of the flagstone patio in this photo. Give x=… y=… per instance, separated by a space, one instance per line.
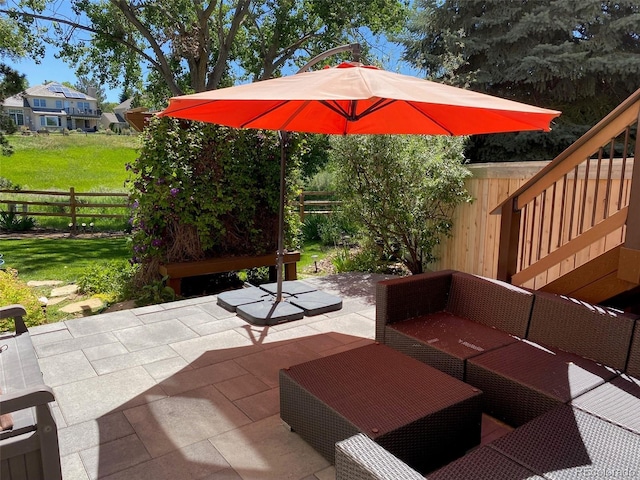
x=188 y=390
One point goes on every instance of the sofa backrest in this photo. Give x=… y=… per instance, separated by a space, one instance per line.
x=591 y=331
x=490 y=302
x=633 y=365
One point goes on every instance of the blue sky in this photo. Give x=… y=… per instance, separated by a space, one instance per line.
x=52 y=69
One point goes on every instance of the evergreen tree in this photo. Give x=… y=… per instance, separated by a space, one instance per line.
x=578 y=56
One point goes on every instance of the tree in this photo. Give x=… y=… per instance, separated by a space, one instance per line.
x=188 y=46
x=12 y=45
x=86 y=84
x=578 y=56
x=401 y=189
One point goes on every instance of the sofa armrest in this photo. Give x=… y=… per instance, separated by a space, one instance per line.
x=16 y=312
x=29 y=397
x=360 y=458
x=409 y=297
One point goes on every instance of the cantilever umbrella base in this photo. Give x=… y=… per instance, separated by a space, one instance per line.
x=269 y=312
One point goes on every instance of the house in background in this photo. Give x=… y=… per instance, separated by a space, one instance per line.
x=53 y=107
x=116 y=120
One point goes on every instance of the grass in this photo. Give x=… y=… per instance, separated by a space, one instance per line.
x=60 y=258
x=92 y=162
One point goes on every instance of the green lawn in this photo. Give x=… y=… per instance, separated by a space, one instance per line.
x=61 y=258
x=92 y=162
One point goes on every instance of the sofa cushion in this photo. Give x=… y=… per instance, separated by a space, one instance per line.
x=569 y=443
x=523 y=380
x=491 y=303
x=575 y=326
x=617 y=401
x=444 y=340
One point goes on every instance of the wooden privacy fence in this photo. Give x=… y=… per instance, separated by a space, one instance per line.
x=72 y=204
x=474 y=244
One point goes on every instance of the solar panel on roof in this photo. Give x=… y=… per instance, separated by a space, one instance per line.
x=55 y=88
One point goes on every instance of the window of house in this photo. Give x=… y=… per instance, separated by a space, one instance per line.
x=59 y=104
x=17 y=116
x=82 y=106
x=39 y=102
x=49 y=121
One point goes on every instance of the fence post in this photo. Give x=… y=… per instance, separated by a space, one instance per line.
x=301 y=203
x=509 y=234
x=72 y=208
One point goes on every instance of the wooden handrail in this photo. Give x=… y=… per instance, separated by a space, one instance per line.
x=609 y=127
x=576 y=201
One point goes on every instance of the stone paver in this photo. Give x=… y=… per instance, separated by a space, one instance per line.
x=188 y=390
x=64 y=291
x=83 y=305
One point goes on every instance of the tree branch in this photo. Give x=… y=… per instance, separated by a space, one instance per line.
x=85 y=28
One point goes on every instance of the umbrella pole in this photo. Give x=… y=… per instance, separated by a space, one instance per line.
x=280 y=255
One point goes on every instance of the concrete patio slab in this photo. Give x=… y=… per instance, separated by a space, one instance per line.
x=182 y=420
x=154 y=334
x=94 y=397
x=188 y=390
x=268 y=450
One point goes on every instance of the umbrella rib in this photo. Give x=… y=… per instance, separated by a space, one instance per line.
x=449 y=132
x=262 y=114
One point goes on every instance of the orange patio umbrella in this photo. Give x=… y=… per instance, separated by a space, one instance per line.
x=356 y=99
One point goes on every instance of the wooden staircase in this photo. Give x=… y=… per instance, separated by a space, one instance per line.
x=574 y=228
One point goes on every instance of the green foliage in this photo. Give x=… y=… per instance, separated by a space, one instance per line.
x=192 y=47
x=111 y=279
x=155 y=292
x=63 y=259
x=12 y=290
x=401 y=190
x=328 y=229
x=202 y=190
x=580 y=57
x=13 y=222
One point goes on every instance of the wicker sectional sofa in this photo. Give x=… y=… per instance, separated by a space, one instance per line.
x=565 y=373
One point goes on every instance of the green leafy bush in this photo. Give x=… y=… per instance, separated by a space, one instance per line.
x=203 y=191
x=12 y=290
x=14 y=222
x=112 y=280
x=401 y=190
x=330 y=230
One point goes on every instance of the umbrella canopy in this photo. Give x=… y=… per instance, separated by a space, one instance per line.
x=356 y=99
x=351 y=99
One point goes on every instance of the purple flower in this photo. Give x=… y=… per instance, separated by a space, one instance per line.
x=174 y=191
x=156 y=242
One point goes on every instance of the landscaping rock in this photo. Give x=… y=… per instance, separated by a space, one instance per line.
x=64 y=291
x=89 y=304
x=44 y=283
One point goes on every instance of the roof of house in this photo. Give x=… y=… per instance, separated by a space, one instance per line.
x=124 y=106
x=49 y=90
x=113 y=117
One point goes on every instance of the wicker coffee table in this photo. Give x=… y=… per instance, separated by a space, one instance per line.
x=420 y=414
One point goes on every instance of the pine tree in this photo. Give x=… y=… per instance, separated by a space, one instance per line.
x=578 y=56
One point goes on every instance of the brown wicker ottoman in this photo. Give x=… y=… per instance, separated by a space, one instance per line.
x=423 y=416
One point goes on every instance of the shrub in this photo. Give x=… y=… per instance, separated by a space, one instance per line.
x=112 y=280
x=330 y=230
x=12 y=290
x=401 y=190
x=7 y=125
x=13 y=222
x=202 y=191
